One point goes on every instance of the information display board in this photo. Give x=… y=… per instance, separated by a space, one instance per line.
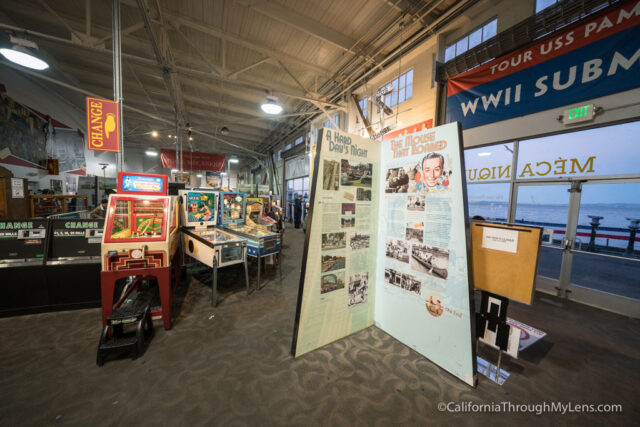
x=388 y=243
x=505 y=259
x=199 y=207
x=336 y=294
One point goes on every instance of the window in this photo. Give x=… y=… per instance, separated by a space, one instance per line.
x=299 y=141
x=401 y=89
x=279 y=154
x=473 y=39
x=328 y=124
x=287 y=147
x=543 y=4
x=364 y=107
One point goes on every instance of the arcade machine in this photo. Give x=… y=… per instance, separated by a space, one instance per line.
x=234 y=218
x=23 y=287
x=207 y=243
x=256 y=216
x=141 y=238
x=73 y=263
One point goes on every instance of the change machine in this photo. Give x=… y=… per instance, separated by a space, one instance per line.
x=260 y=241
x=141 y=238
x=73 y=263
x=23 y=287
x=204 y=241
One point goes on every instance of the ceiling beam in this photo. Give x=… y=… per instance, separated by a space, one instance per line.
x=303 y=23
x=219 y=33
x=165 y=62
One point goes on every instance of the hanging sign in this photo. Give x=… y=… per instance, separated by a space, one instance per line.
x=194 y=161
x=103 y=125
x=597 y=56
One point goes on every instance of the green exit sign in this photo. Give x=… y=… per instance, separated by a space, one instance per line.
x=580 y=113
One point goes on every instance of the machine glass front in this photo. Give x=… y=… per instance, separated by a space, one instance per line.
x=133 y=219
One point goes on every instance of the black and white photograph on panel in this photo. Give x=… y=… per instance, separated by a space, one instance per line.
x=356 y=173
x=416 y=203
x=398 y=250
x=393 y=277
x=400 y=180
x=348 y=209
x=332 y=282
x=333 y=262
x=348 y=221
x=414 y=235
x=331 y=175
x=363 y=194
x=359 y=240
x=333 y=241
x=358 y=288
x=430 y=260
x=410 y=283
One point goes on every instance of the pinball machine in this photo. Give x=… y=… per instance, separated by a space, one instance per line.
x=207 y=243
x=141 y=239
x=249 y=225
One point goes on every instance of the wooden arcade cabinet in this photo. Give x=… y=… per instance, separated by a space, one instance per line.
x=141 y=238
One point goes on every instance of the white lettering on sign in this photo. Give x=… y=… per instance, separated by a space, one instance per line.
x=500 y=239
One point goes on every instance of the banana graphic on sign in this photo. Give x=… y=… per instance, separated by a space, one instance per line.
x=109 y=125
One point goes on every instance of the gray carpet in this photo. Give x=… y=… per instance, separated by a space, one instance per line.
x=231 y=366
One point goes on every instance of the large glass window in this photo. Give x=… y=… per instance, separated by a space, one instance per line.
x=492 y=163
x=471 y=40
x=611 y=150
x=490 y=201
x=401 y=89
x=364 y=107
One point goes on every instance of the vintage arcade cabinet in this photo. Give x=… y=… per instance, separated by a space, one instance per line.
x=256 y=216
x=204 y=241
x=260 y=241
x=141 y=238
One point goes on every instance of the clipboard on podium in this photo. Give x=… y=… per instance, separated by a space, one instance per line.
x=505 y=259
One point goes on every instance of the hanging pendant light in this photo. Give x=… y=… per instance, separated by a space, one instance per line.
x=271 y=106
x=21 y=53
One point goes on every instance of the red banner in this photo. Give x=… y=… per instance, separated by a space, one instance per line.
x=195 y=161
x=427 y=124
x=103 y=125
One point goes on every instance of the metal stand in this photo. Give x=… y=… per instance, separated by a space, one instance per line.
x=214 y=284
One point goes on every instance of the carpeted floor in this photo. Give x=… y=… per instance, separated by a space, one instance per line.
x=231 y=366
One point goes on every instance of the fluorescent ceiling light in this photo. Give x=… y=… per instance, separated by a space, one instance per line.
x=174 y=170
x=271 y=106
x=151 y=153
x=199 y=175
x=223 y=173
x=22 y=56
x=484 y=153
x=233 y=160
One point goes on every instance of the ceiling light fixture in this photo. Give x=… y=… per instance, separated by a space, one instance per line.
x=21 y=54
x=154 y=133
x=224 y=130
x=484 y=153
x=152 y=153
x=271 y=106
x=199 y=175
x=233 y=160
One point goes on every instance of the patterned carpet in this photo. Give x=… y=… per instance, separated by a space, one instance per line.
x=231 y=366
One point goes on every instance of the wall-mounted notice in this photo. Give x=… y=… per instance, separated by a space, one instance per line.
x=500 y=239
x=423 y=249
x=17 y=188
x=336 y=296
